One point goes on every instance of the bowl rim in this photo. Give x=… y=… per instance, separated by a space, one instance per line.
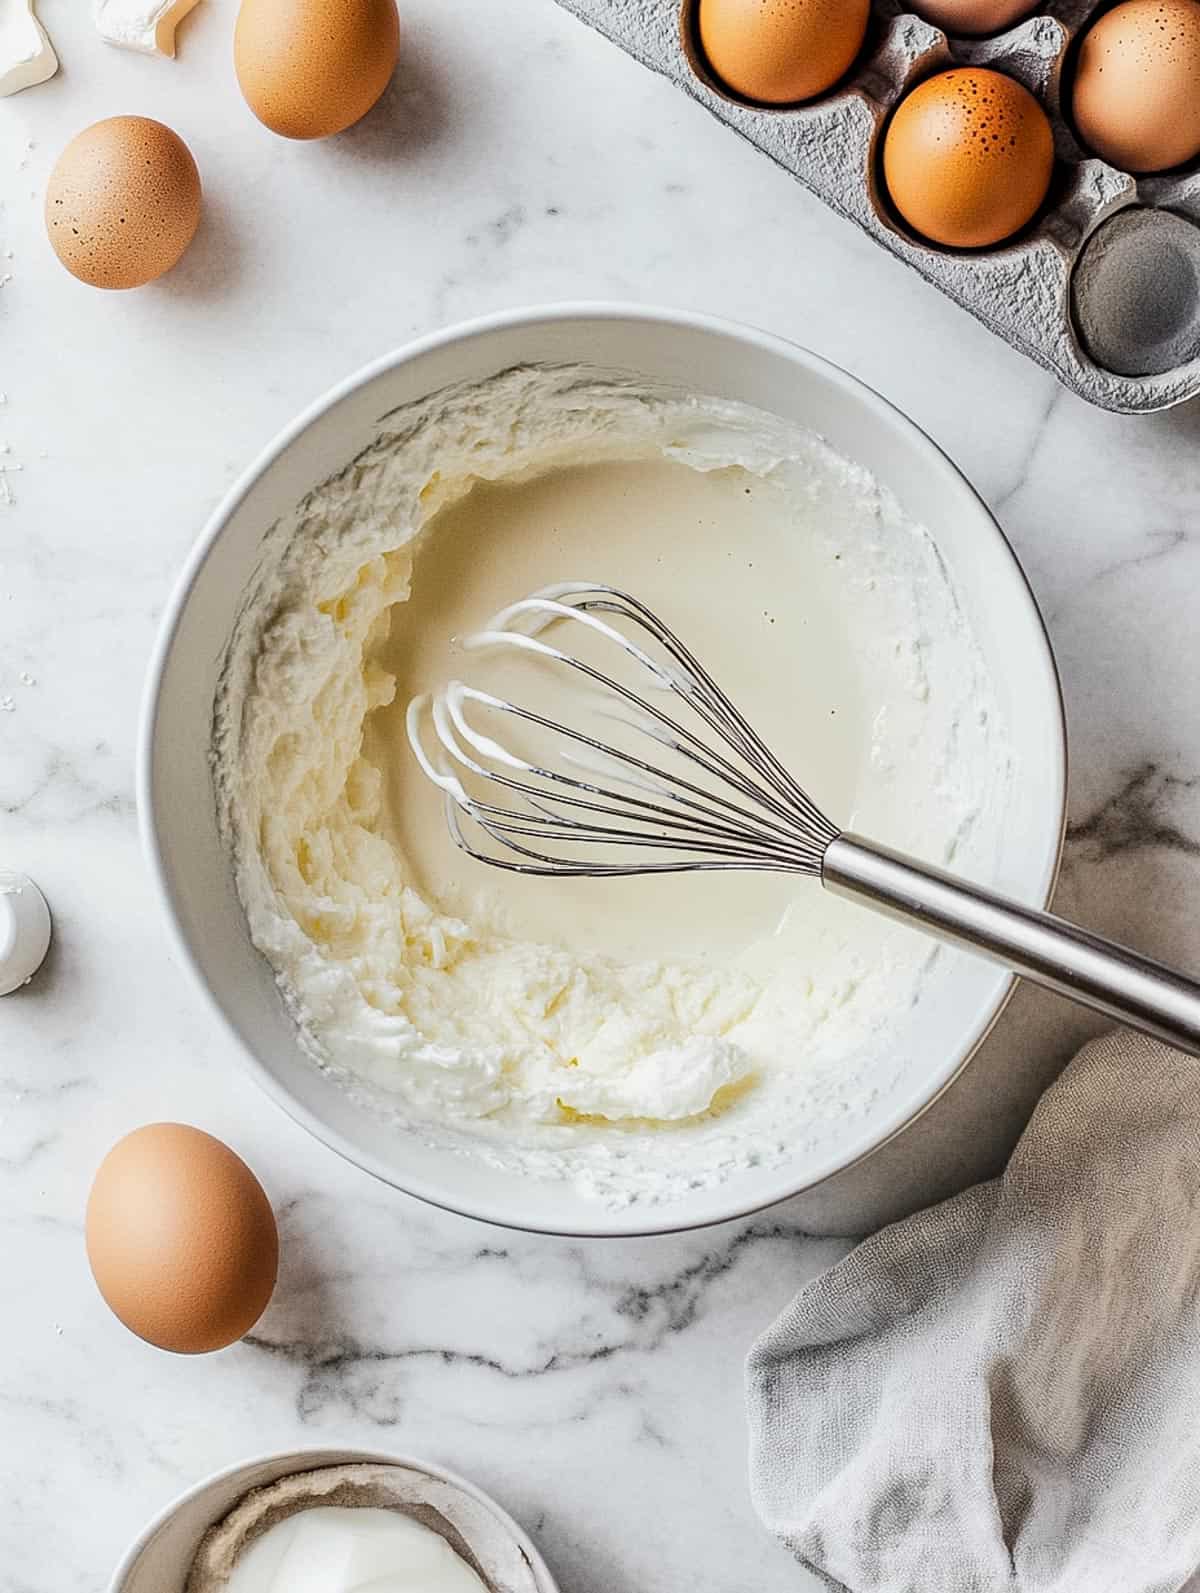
x=737 y=333
x=361 y=1457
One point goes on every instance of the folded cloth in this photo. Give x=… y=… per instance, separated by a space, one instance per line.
x=1003 y=1392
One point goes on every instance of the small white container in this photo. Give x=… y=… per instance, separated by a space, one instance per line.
x=160 y=1559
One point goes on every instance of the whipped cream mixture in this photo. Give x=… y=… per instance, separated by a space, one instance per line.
x=638 y=1036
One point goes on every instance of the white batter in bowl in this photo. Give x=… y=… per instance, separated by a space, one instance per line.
x=644 y=1053
x=561 y=1028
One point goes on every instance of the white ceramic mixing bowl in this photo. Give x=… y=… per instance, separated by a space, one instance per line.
x=161 y=1557
x=704 y=356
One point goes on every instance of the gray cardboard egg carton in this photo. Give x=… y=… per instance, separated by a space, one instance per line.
x=1021 y=290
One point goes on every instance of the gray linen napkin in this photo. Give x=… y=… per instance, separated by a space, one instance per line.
x=1003 y=1392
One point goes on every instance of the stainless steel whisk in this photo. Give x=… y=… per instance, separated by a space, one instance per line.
x=658 y=797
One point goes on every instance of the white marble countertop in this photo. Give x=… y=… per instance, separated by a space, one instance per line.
x=594 y=1388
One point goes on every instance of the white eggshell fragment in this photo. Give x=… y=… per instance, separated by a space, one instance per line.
x=26 y=55
x=24 y=931
x=144 y=25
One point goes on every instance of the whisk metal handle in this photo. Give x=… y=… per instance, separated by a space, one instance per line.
x=1085 y=968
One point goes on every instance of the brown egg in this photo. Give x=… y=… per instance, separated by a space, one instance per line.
x=967 y=157
x=1136 y=99
x=974 y=16
x=181 y=1239
x=780 y=51
x=123 y=202
x=311 y=68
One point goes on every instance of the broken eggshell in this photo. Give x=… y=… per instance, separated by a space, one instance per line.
x=27 y=57
x=25 y=931
x=147 y=26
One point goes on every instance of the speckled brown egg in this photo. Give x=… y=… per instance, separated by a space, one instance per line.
x=1136 y=96
x=780 y=51
x=968 y=157
x=973 y=16
x=123 y=202
x=311 y=68
x=181 y=1239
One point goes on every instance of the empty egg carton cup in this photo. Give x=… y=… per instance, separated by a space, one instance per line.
x=1103 y=287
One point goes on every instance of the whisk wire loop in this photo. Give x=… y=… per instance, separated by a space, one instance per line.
x=732 y=808
x=701 y=824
